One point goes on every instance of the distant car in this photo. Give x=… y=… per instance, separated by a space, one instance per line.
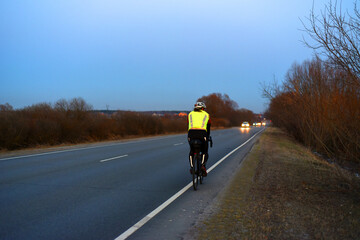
x=258 y=124
x=254 y=124
x=245 y=125
x=263 y=123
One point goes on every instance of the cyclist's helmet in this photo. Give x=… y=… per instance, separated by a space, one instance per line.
x=199 y=105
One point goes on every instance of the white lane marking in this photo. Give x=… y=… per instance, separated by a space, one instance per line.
x=177 y=144
x=148 y=217
x=113 y=158
x=141 y=223
x=41 y=154
x=84 y=148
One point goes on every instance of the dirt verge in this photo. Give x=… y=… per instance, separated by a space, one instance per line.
x=283 y=191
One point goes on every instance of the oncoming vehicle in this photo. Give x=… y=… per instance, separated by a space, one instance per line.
x=245 y=125
x=258 y=124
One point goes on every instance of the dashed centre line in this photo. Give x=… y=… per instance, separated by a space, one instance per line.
x=113 y=158
x=177 y=144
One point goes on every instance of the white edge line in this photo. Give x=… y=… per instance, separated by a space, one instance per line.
x=177 y=144
x=113 y=158
x=140 y=223
x=84 y=148
x=148 y=217
x=46 y=153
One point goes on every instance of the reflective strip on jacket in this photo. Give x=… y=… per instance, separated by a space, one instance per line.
x=198 y=120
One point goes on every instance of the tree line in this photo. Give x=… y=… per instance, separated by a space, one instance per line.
x=319 y=101
x=225 y=112
x=75 y=121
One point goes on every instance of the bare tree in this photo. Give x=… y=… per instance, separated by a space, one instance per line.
x=336 y=35
x=271 y=90
x=6 y=107
x=79 y=104
x=62 y=105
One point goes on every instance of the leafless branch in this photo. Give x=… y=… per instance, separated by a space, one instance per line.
x=335 y=35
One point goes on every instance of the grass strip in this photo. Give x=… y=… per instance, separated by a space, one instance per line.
x=283 y=191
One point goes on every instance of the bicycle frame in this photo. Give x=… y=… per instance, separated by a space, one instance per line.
x=196 y=162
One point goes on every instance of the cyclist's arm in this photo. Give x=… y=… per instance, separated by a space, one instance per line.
x=208 y=128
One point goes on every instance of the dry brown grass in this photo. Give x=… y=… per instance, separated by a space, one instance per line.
x=283 y=191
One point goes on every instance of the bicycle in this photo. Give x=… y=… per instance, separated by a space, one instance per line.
x=196 y=161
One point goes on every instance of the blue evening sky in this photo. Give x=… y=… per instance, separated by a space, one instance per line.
x=148 y=54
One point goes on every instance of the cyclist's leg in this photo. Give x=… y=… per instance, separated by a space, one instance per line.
x=205 y=148
x=191 y=154
x=205 y=154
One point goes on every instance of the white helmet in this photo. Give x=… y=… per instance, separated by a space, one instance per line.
x=200 y=105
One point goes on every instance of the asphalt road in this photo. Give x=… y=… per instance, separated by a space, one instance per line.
x=99 y=192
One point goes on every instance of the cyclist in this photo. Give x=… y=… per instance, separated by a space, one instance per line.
x=199 y=128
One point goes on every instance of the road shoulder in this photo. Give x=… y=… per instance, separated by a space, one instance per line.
x=283 y=191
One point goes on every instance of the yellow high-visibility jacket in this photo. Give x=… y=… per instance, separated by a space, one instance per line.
x=198 y=120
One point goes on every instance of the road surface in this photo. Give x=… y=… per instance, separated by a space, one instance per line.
x=99 y=192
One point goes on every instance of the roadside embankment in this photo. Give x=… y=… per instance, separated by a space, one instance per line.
x=283 y=191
